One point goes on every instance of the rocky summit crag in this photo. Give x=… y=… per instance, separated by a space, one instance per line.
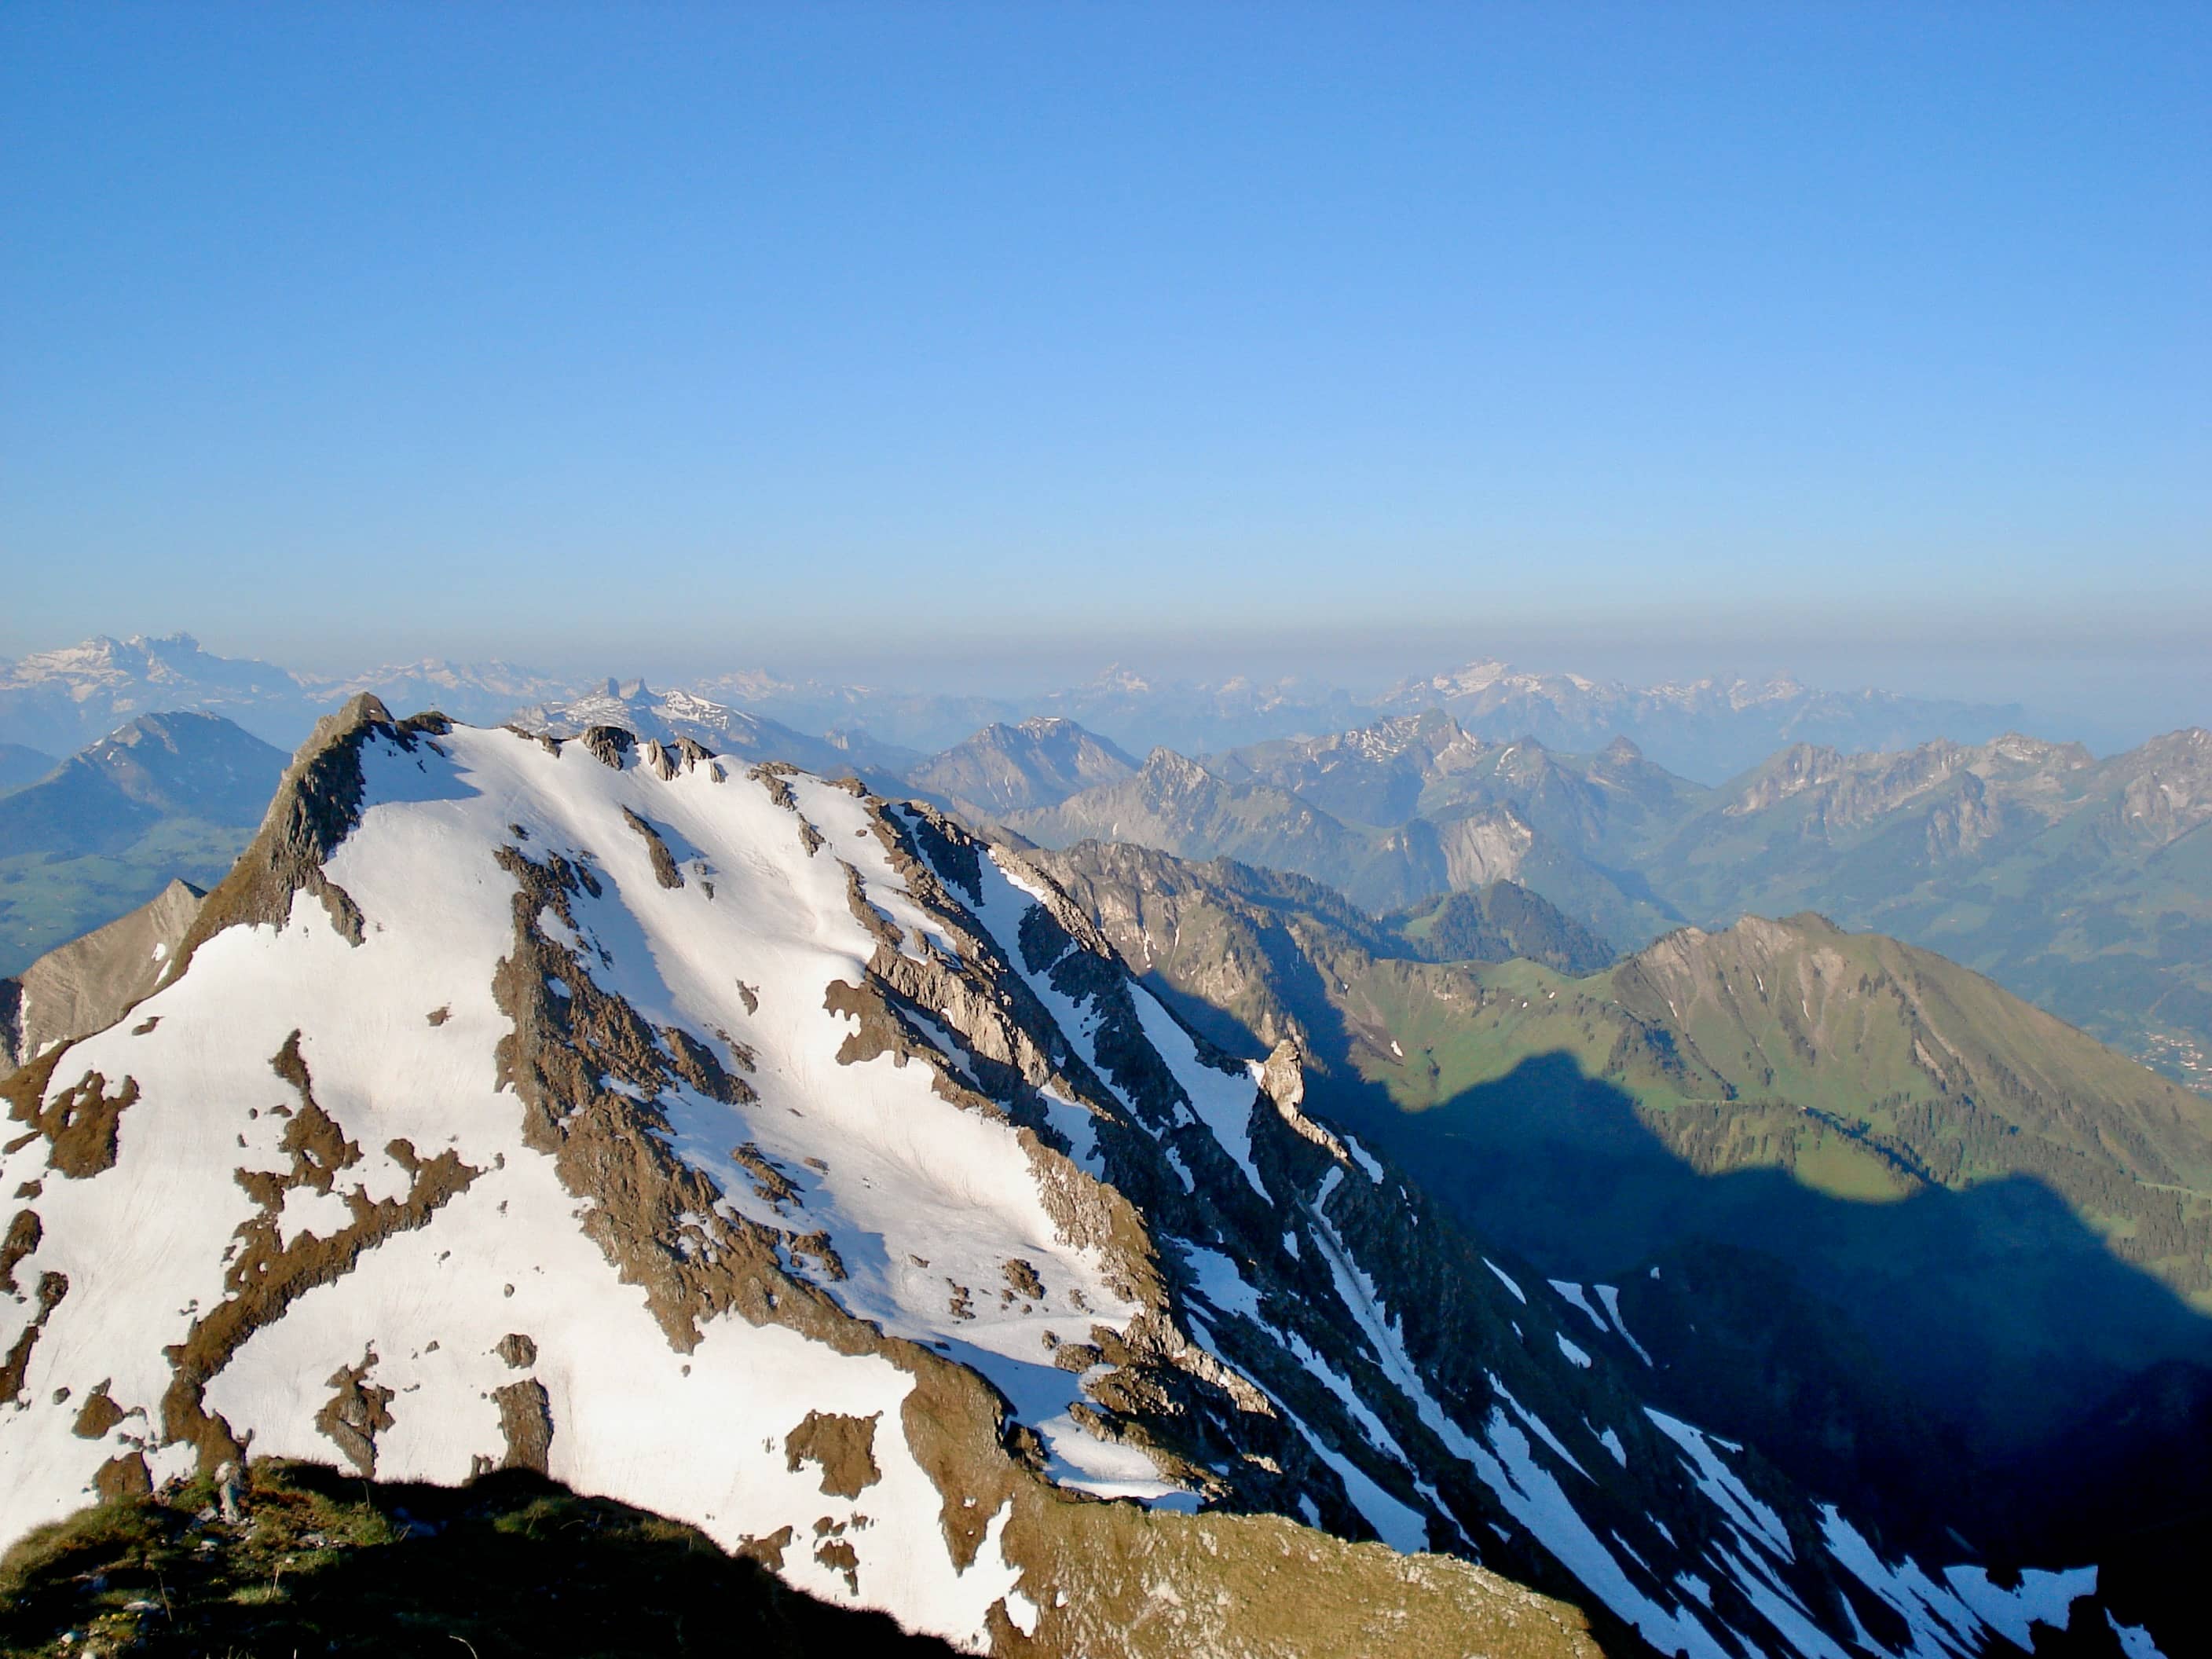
x=738 y=1145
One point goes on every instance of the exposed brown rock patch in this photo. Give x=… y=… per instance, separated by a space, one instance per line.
x=357 y=1413
x=123 y=1477
x=840 y=1557
x=815 y=1246
x=844 y=1448
x=526 y=1420
x=773 y=776
x=53 y=1287
x=97 y=1416
x=768 y=1550
x=80 y=1123
x=768 y=1182
x=22 y=1237
x=664 y=861
x=610 y=745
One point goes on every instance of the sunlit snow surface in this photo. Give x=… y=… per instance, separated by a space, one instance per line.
x=903 y=1176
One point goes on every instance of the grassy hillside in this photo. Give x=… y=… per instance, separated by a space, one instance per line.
x=1865 y=1068
x=326 y=1564
x=2083 y=886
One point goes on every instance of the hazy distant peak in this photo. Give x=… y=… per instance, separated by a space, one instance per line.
x=103 y=659
x=1114 y=677
x=634 y=707
x=1165 y=765
x=1009 y=767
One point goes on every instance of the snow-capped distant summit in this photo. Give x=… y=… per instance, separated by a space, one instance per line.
x=482 y=693
x=59 y=701
x=1708 y=729
x=55 y=702
x=636 y=708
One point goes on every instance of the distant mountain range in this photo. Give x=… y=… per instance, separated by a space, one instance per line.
x=55 y=702
x=2079 y=883
x=1003 y=769
x=1707 y=729
x=2085 y=886
x=1397 y=812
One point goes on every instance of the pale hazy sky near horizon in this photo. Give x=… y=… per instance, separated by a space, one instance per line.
x=1867 y=341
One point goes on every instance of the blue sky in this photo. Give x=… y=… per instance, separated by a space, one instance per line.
x=1818 y=336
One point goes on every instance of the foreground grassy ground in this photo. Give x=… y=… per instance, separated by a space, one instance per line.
x=320 y=1563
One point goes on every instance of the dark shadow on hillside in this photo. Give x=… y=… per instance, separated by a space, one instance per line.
x=1955 y=1355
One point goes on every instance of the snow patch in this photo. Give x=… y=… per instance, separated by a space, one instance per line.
x=2042 y=1598
x=1610 y=1295
x=1573 y=1292
x=1363 y=1158
x=1720 y=1484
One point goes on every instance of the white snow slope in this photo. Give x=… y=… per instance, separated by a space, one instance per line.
x=144 y=1245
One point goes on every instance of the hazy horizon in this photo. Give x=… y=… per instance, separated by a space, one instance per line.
x=2109 y=692
x=986 y=349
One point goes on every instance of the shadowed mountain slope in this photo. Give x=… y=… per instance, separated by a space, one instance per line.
x=167 y=797
x=20 y=765
x=1910 y=1233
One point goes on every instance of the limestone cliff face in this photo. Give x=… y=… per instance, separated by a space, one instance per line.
x=89 y=984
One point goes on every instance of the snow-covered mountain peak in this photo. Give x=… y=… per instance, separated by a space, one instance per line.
x=732 y=1142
